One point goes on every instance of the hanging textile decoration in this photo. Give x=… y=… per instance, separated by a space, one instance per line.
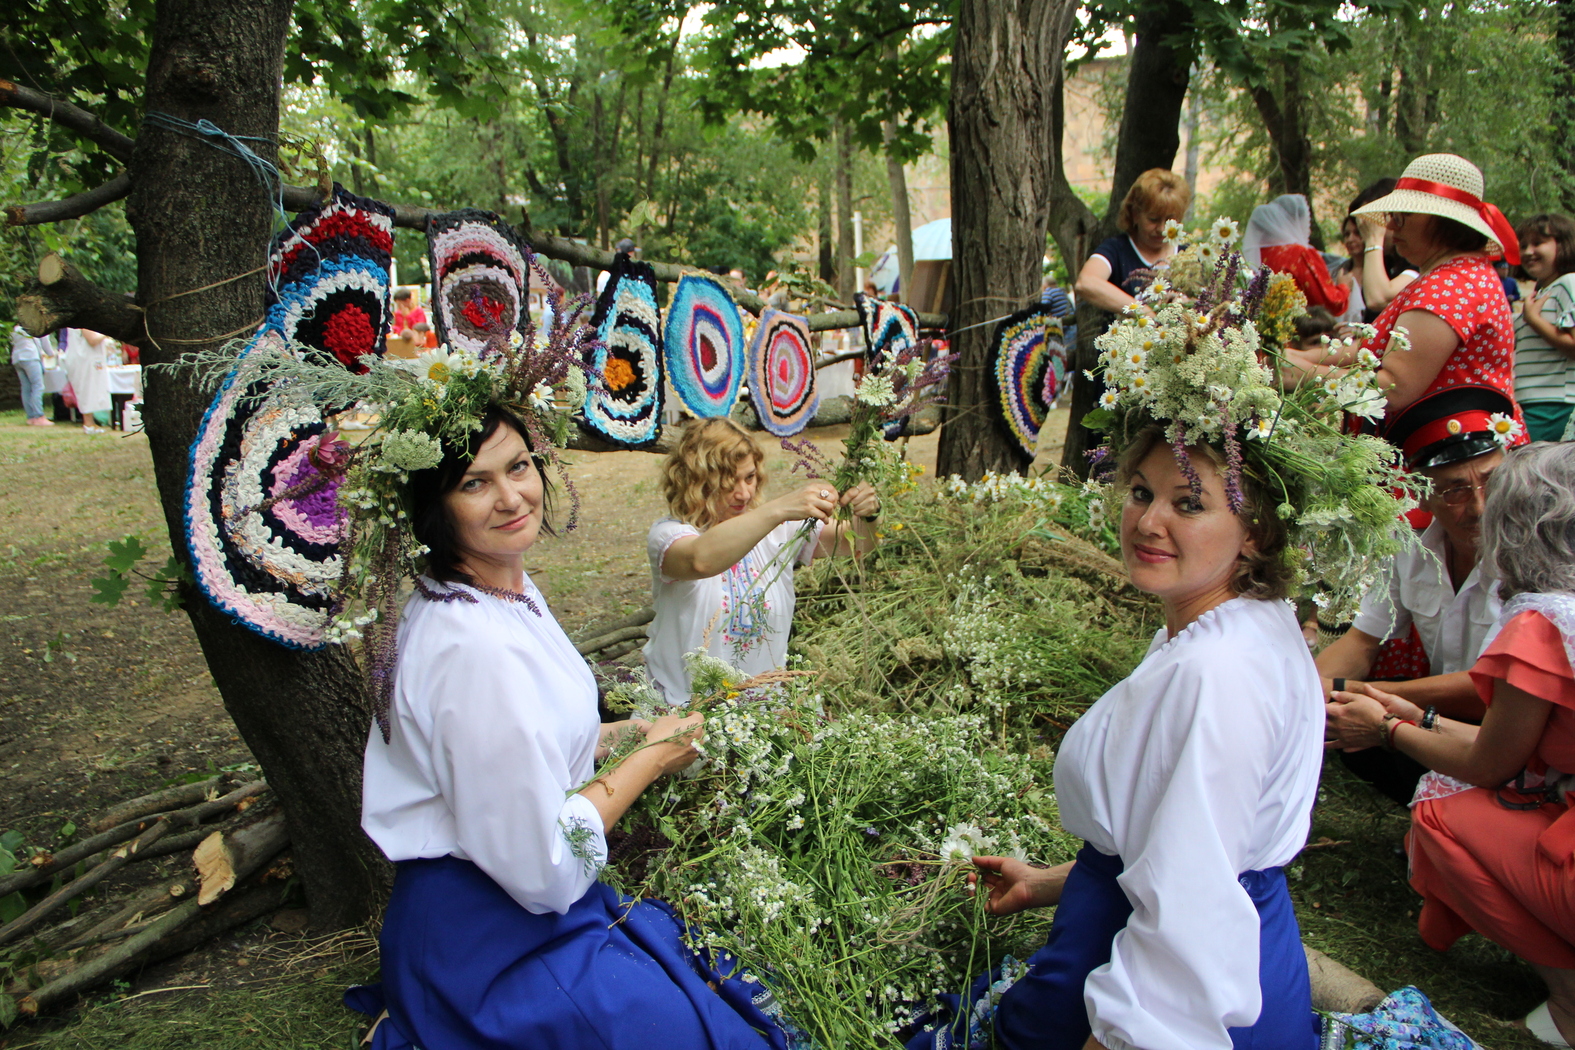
x=782 y=374
x=889 y=328
x=704 y=346
x=262 y=514
x=626 y=406
x=480 y=277
x=1029 y=367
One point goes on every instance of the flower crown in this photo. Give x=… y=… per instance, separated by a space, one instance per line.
x=1192 y=362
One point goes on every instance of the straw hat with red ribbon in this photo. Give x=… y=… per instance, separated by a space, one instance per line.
x=1450 y=186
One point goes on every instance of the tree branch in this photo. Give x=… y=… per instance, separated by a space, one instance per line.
x=62 y=298
x=72 y=207
x=67 y=116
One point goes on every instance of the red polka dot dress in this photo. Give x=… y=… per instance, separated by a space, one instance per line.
x=1466 y=294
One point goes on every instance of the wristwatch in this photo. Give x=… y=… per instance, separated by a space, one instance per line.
x=1429 y=718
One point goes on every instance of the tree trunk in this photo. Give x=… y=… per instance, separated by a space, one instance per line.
x=1148 y=138
x=825 y=261
x=201 y=218
x=901 y=214
x=1564 y=92
x=842 y=175
x=1004 y=70
x=1290 y=149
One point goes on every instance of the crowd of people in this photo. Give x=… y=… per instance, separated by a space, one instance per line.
x=1191 y=782
x=1452 y=691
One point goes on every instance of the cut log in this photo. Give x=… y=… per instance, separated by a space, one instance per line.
x=222 y=857
x=611 y=638
x=182 y=928
x=638 y=618
x=85 y=849
x=63 y=298
x=159 y=801
x=1338 y=989
x=150 y=901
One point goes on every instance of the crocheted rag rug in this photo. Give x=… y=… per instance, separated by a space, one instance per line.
x=703 y=345
x=480 y=279
x=1028 y=365
x=782 y=373
x=626 y=406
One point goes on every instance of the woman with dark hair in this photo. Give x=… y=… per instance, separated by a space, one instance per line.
x=1545 y=329
x=1492 y=836
x=1452 y=326
x=1380 y=272
x=485 y=796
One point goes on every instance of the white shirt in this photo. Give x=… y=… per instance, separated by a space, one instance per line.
x=1455 y=626
x=747 y=610
x=1201 y=765
x=494 y=723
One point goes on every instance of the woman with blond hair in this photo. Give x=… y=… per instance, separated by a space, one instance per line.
x=722 y=561
x=1157 y=196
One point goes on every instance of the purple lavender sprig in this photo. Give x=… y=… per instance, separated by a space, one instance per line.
x=1178 y=446
x=1257 y=288
x=1233 y=493
x=811 y=459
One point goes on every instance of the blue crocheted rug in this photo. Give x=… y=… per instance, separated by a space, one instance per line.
x=703 y=345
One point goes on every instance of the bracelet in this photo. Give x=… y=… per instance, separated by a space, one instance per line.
x=1372 y=248
x=871 y=517
x=1392 y=723
x=1339 y=686
x=1429 y=719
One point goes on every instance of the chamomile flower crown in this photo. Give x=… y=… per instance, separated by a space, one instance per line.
x=1191 y=361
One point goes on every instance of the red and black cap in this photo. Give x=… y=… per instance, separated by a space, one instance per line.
x=1449 y=426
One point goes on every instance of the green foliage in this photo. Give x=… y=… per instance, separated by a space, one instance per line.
x=163 y=586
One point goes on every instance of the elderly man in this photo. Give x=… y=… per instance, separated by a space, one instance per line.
x=1438 y=588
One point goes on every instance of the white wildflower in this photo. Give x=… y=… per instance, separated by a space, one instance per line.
x=1224 y=231
x=541 y=398
x=964 y=841
x=1504 y=428
x=876 y=391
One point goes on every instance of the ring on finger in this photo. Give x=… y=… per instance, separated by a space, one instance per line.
x=824 y=494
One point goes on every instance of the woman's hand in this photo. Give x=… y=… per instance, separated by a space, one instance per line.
x=1354 y=722
x=816 y=499
x=861 y=500
x=615 y=733
x=1373 y=232
x=1398 y=706
x=1017 y=886
x=671 y=739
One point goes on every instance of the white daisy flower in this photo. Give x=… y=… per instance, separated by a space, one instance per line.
x=541 y=398
x=1260 y=430
x=1136 y=358
x=1399 y=339
x=1224 y=231
x=1365 y=358
x=1504 y=428
x=1173 y=231
x=963 y=841
x=436 y=365
x=1109 y=399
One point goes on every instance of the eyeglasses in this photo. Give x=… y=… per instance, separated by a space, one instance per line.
x=1456 y=495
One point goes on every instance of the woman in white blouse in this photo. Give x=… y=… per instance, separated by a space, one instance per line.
x=1192 y=782
x=498 y=933
x=722 y=561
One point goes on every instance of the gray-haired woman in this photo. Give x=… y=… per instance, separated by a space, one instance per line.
x=1497 y=857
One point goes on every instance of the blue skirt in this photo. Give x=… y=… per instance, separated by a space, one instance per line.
x=1044 y=1009
x=464 y=967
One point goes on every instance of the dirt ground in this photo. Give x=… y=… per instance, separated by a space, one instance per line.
x=101 y=704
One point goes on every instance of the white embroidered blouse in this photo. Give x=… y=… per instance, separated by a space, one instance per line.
x=494 y=723
x=1201 y=765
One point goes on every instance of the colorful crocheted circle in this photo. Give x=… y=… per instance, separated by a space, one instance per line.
x=782 y=374
x=889 y=328
x=263 y=520
x=1028 y=359
x=626 y=406
x=703 y=345
x=480 y=277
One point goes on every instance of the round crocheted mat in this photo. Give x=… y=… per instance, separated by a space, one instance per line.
x=263 y=520
x=480 y=278
x=703 y=346
x=626 y=406
x=1028 y=361
x=782 y=374
x=889 y=328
